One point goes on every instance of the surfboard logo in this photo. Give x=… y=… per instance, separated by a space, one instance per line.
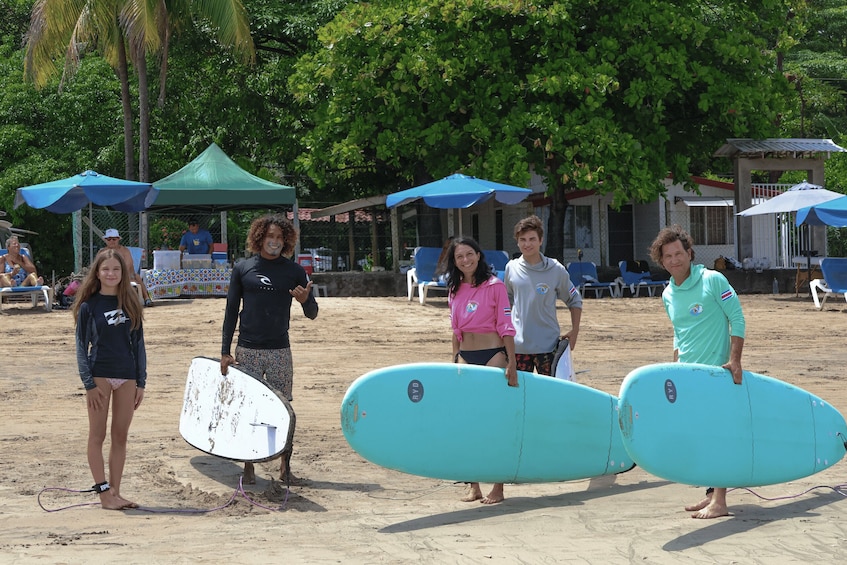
x=415 y=390
x=695 y=309
x=542 y=288
x=670 y=391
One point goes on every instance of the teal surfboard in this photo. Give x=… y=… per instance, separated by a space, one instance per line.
x=464 y=423
x=691 y=424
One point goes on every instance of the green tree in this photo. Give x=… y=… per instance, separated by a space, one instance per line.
x=610 y=95
x=60 y=29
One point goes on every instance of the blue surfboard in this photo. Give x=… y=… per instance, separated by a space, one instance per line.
x=463 y=422
x=691 y=424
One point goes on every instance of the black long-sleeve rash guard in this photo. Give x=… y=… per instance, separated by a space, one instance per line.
x=261 y=288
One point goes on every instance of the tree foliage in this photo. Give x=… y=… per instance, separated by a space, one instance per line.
x=604 y=95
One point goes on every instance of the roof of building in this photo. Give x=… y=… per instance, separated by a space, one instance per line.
x=762 y=148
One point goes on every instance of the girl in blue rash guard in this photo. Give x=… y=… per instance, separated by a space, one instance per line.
x=112 y=365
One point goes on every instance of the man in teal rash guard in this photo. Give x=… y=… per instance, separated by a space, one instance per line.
x=263 y=287
x=708 y=325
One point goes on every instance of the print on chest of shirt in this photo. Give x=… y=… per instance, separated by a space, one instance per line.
x=263 y=282
x=115 y=317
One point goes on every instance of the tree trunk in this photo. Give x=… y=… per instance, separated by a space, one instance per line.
x=126 y=104
x=143 y=119
x=163 y=68
x=555 y=235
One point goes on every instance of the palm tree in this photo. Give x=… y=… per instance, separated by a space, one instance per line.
x=67 y=27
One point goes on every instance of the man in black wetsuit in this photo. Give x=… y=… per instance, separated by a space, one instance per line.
x=264 y=286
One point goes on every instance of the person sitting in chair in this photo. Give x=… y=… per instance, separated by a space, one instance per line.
x=16 y=268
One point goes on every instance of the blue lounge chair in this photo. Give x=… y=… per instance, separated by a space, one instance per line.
x=834 y=281
x=422 y=275
x=636 y=275
x=584 y=277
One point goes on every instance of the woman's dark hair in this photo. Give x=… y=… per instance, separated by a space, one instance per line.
x=454 y=275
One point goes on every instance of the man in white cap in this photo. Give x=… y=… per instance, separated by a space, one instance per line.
x=113 y=241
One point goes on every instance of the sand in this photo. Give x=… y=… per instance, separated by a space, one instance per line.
x=345 y=509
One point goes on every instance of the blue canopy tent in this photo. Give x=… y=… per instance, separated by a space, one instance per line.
x=831 y=213
x=458 y=191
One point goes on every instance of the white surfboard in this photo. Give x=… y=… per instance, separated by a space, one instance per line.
x=563 y=362
x=235 y=416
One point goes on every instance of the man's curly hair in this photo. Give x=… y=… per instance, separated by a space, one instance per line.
x=259 y=228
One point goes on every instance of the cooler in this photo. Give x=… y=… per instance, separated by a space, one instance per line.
x=305 y=260
x=166 y=259
x=219 y=259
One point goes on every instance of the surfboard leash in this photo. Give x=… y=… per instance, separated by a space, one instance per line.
x=99 y=488
x=837 y=489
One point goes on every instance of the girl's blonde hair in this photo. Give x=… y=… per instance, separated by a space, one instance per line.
x=127 y=297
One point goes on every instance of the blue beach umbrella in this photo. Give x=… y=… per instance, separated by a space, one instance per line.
x=830 y=213
x=89 y=187
x=458 y=191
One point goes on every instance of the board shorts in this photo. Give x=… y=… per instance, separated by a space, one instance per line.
x=541 y=362
x=275 y=366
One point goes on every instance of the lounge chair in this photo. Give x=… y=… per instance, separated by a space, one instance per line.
x=636 y=275
x=584 y=277
x=43 y=292
x=422 y=275
x=834 y=281
x=137 y=253
x=497 y=258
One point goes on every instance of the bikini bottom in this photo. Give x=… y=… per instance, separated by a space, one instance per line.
x=480 y=356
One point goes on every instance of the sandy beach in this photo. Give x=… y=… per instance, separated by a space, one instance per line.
x=343 y=509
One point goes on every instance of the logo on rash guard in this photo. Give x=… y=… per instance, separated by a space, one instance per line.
x=115 y=317
x=542 y=288
x=471 y=307
x=695 y=309
x=264 y=280
x=726 y=295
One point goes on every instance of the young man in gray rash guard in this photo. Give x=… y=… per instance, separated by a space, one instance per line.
x=534 y=284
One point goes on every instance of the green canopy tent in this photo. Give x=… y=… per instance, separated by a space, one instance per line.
x=213 y=182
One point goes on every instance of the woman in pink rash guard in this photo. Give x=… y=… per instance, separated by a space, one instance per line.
x=481 y=318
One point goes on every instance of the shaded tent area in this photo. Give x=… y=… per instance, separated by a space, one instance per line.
x=207 y=187
x=214 y=182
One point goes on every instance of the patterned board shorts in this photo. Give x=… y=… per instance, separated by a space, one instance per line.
x=543 y=362
x=275 y=365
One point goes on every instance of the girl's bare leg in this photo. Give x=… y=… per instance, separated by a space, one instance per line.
x=123 y=409
x=96 y=437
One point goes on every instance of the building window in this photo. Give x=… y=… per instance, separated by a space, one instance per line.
x=578 y=227
x=712 y=225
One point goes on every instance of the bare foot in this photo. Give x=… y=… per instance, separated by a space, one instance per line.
x=128 y=504
x=495 y=496
x=109 y=501
x=699 y=506
x=474 y=493
x=249 y=474
x=712 y=511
